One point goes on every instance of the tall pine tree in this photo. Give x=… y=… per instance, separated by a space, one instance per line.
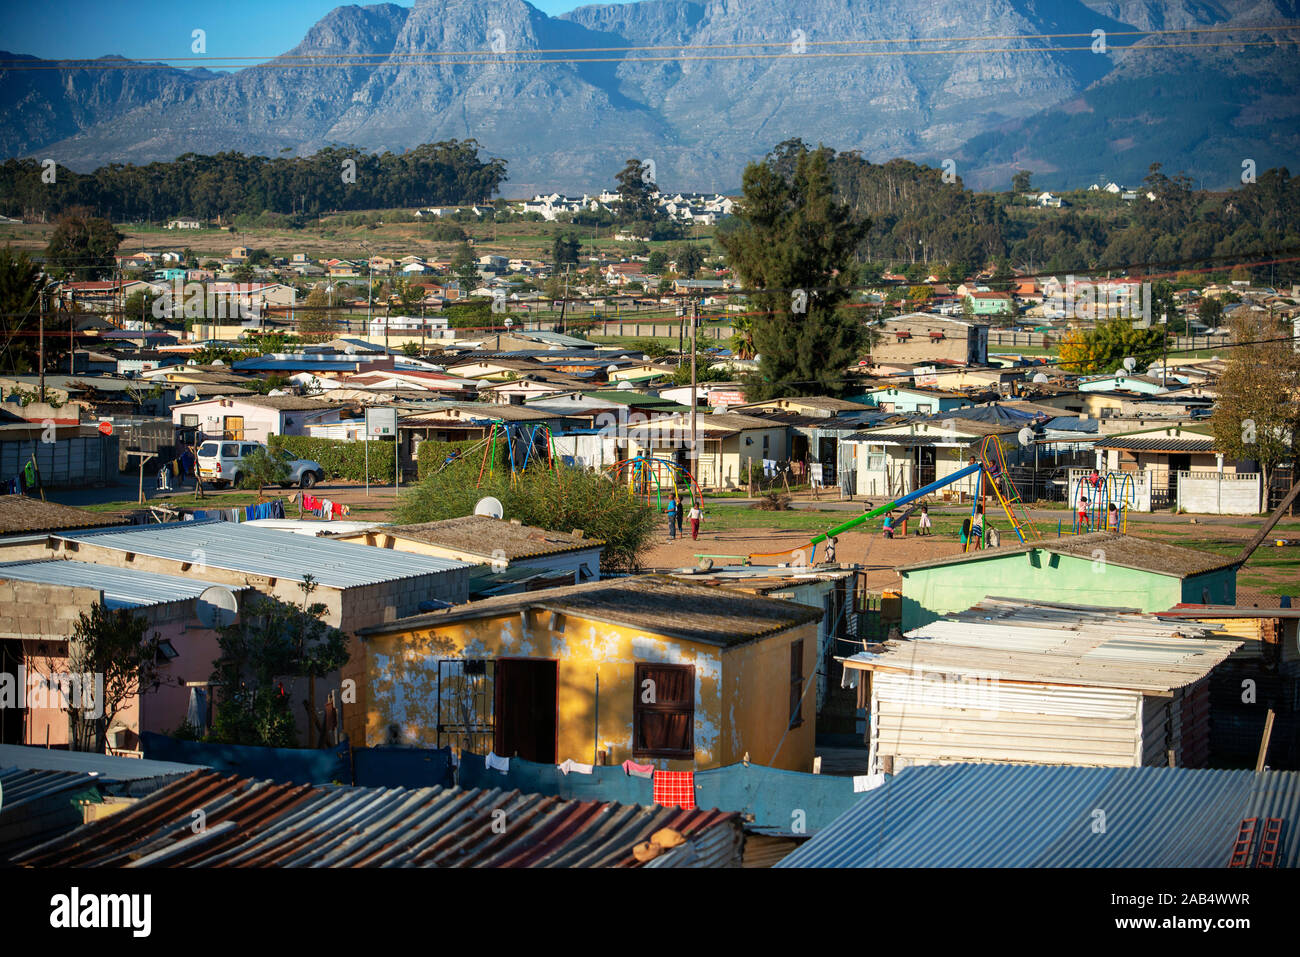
x=794 y=246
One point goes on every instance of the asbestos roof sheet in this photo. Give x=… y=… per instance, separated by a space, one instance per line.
x=1124 y=551
x=998 y=815
x=657 y=604
x=237 y=547
x=122 y=587
x=19 y=513
x=1067 y=645
x=490 y=537
x=262 y=824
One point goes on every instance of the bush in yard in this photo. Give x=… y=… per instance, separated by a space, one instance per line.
x=340 y=459
x=560 y=500
x=261 y=468
x=433 y=454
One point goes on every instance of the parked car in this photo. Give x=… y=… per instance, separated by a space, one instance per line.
x=219 y=464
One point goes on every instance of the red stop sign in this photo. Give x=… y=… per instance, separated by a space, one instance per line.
x=106 y=428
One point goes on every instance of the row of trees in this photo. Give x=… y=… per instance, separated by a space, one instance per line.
x=227 y=185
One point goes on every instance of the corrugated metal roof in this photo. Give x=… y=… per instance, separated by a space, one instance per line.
x=996 y=815
x=19 y=786
x=105 y=767
x=1012 y=641
x=1123 y=551
x=122 y=587
x=262 y=824
x=236 y=547
x=1138 y=443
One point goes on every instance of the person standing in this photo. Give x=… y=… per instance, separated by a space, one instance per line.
x=187 y=464
x=923 y=526
x=673 y=508
x=681 y=517
x=695 y=516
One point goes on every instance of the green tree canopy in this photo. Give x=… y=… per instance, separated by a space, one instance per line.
x=83 y=245
x=795 y=246
x=272 y=639
x=561 y=499
x=636 y=188
x=1257 y=412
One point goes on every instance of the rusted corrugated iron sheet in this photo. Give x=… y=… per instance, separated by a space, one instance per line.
x=247 y=823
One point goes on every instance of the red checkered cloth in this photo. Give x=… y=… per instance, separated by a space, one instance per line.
x=675 y=789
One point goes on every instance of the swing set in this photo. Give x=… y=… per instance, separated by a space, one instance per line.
x=1093 y=503
x=647 y=477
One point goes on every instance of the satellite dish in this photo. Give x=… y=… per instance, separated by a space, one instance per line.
x=192 y=362
x=1026 y=436
x=188 y=392
x=217 y=607
x=491 y=507
x=611 y=368
x=719 y=409
x=350 y=350
x=758 y=358
x=1040 y=377
x=625 y=386
x=218 y=362
x=277 y=392
x=508 y=322
x=1130 y=363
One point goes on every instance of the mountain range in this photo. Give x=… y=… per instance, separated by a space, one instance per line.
x=701 y=88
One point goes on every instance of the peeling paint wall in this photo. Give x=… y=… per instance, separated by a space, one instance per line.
x=757 y=702
x=399 y=678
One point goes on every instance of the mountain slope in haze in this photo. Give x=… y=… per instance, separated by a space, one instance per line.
x=732 y=79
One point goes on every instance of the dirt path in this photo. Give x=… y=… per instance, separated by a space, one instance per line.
x=881 y=555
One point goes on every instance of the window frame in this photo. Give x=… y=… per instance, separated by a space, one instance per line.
x=639 y=708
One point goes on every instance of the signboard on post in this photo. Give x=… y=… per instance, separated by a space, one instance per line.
x=381 y=422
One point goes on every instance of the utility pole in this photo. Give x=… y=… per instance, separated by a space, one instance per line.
x=40 y=361
x=695 y=454
x=564 y=303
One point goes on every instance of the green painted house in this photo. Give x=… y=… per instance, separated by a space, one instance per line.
x=1099 y=568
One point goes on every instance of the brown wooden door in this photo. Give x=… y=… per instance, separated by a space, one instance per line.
x=526 y=722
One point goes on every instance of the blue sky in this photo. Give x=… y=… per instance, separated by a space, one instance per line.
x=161 y=29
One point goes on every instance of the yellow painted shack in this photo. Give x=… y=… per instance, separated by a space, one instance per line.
x=676 y=674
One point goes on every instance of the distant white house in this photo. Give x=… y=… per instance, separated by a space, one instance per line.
x=184 y=224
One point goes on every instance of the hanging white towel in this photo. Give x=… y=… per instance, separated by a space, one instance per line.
x=867 y=782
x=571 y=765
x=497 y=762
x=849 y=679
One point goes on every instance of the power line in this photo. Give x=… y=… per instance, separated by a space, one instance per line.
x=294 y=59
x=538 y=57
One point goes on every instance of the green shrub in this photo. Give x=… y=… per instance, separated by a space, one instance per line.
x=433 y=453
x=561 y=500
x=340 y=459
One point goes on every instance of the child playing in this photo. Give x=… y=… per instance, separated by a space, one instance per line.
x=923 y=526
x=888 y=529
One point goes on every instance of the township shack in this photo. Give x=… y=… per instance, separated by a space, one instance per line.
x=1032 y=682
x=40 y=605
x=647 y=668
x=556 y=558
x=359 y=586
x=1048 y=817
x=1097 y=568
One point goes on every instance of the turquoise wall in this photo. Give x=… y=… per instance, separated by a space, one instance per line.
x=1037 y=575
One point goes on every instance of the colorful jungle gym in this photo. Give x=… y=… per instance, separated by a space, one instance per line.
x=1091 y=501
x=991 y=477
x=520 y=443
x=648 y=477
